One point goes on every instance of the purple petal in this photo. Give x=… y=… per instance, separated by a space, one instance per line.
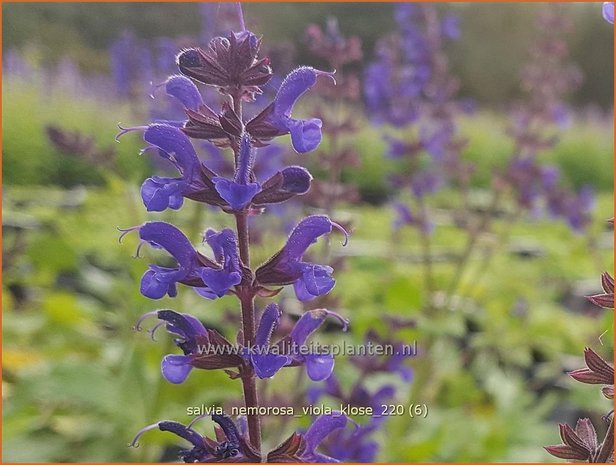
x=182 y=431
x=308 y=324
x=315 y=281
x=224 y=246
x=322 y=427
x=319 y=367
x=245 y=161
x=267 y=365
x=158 y=193
x=268 y=323
x=182 y=324
x=185 y=91
x=296 y=84
x=236 y=195
x=158 y=282
x=306 y=233
x=176 y=145
x=220 y=281
x=170 y=238
x=305 y=134
x=175 y=368
x=296 y=179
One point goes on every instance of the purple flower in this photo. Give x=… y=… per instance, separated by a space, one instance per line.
x=450 y=26
x=285 y=267
x=302 y=447
x=197 y=182
x=203 y=348
x=404 y=216
x=276 y=119
x=608 y=12
x=318 y=366
x=159 y=193
x=211 y=279
x=240 y=191
x=230 y=445
x=268 y=359
x=318 y=431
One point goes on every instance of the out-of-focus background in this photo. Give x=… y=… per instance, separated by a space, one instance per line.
x=78 y=382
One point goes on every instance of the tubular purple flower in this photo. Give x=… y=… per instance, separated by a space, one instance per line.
x=210 y=279
x=159 y=193
x=318 y=431
x=318 y=366
x=219 y=281
x=195 y=340
x=268 y=360
x=239 y=192
x=285 y=267
x=305 y=133
x=230 y=445
x=267 y=364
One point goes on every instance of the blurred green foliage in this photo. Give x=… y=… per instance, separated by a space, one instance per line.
x=78 y=383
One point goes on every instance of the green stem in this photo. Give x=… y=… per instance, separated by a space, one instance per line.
x=471 y=243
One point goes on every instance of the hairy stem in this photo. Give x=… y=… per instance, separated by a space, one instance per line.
x=241 y=220
x=246 y=296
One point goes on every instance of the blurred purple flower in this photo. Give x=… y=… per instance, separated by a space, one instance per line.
x=608 y=12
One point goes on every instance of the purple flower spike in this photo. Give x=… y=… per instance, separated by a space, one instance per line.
x=608 y=12
x=285 y=267
x=240 y=191
x=185 y=91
